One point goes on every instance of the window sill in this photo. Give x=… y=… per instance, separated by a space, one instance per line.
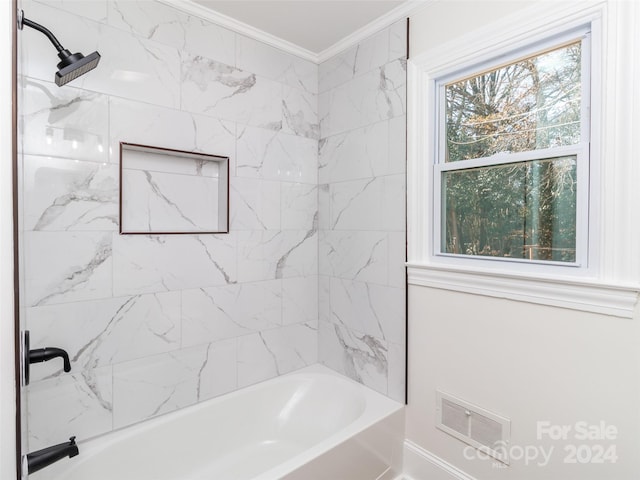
x=586 y=296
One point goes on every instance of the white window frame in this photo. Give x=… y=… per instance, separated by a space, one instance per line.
x=580 y=150
x=604 y=280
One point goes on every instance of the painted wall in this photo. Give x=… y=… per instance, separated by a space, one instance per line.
x=529 y=363
x=361 y=211
x=156 y=323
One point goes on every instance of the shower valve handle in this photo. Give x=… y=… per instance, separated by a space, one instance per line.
x=41 y=355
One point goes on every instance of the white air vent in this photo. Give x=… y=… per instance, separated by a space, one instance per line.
x=476 y=426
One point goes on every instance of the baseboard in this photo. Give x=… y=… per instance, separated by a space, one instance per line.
x=420 y=464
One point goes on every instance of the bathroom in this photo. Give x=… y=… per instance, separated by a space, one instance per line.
x=324 y=159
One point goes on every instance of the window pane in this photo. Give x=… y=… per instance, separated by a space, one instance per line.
x=518 y=210
x=528 y=105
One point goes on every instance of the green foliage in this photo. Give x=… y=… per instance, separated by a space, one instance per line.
x=523 y=209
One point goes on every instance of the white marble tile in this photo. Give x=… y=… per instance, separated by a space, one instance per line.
x=354 y=255
x=367 y=55
x=397 y=243
x=258 y=254
x=271 y=155
x=393 y=87
x=210 y=40
x=155 y=201
x=371 y=52
x=67 y=266
x=63 y=122
x=372 y=97
x=275 y=352
x=361 y=357
x=105 y=332
x=397 y=371
x=93 y=10
x=155 y=21
x=324 y=207
x=358 y=204
x=149 y=20
x=147 y=264
x=398 y=40
x=299 y=206
x=219 y=374
x=370 y=309
x=78 y=404
x=397 y=158
x=219 y=90
x=393 y=215
x=299 y=254
x=256 y=362
x=254 y=204
x=262 y=59
x=356 y=154
x=61 y=194
x=149 y=72
x=217 y=313
x=294 y=346
x=264 y=255
x=330 y=352
x=163 y=383
x=135 y=122
x=300 y=113
x=324 y=299
x=336 y=70
x=299 y=300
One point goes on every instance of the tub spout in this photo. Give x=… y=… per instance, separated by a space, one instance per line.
x=45 y=457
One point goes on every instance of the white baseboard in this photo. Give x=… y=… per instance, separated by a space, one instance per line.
x=420 y=464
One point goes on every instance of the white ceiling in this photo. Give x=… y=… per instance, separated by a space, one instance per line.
x=314 y=25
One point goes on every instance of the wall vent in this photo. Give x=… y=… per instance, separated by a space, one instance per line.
x=473 y=425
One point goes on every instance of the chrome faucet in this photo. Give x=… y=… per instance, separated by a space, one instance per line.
x=45 y=457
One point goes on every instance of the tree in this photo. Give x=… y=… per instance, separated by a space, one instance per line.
x=524 y=209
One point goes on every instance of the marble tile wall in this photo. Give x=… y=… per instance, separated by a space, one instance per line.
x=156 y=323
x=362 y=221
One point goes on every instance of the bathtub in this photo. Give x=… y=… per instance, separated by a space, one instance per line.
x=309 y=424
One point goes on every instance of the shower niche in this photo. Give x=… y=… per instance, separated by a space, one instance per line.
x=166 y=191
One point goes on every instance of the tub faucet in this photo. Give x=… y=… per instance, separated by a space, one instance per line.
x=45 y=457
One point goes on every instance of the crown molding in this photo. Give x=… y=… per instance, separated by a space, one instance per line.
x=401 y=11
x=237 y=26
x=404 y=10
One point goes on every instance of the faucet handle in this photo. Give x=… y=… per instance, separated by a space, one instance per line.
x=42 y=355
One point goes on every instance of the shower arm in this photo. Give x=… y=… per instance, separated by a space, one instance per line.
x=40 y=28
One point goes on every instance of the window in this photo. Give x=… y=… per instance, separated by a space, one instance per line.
x=535 y=197
x=512 y=157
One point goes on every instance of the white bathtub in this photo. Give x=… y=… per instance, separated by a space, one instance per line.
x=309 y=424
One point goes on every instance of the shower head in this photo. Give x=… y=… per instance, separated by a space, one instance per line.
x=71 y=66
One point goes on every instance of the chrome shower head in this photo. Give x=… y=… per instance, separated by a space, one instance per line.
x=74 y=65
x=71 y=66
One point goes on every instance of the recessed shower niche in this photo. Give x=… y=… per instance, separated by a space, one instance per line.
x=165 y=191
